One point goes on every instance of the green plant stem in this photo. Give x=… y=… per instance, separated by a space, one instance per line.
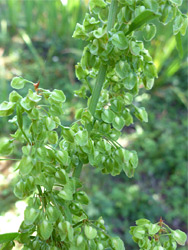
x=103 y=68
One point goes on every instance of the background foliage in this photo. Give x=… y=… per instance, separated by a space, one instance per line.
x=35 y=42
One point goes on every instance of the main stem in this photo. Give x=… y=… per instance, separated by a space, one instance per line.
x=101 y=76
x=102 y=72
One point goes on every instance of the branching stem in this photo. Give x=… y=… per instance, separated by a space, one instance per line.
x=102 y=72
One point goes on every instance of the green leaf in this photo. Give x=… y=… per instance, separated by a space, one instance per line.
x=80 y=32
x=179 y=44
x=6 y=146
x=118 y=123
x=57 y=96
x=141 y=19
x=30 y=215
x=168 y=13
x=153 y=228
x=45 y=229
x=6 y=108
x=179 y=236
x=18 y=82
x=66 y=194
x=130 y=81
x=141 y=222
x=149 y=32
x=33 y=96
x=66 y=230
x=52 y=213
x=14 y=96
x=141 y=114
x=148 y=83
x=81 y=137
x=52 y=137
x=139 y=232
x=8 y=237
x=122 y=69
x=99 y=33
x=26 y=165
x=19 y=189
x=117 y=243
x=90 y=232
x=119 y=40
x=62 y=176
x=150 y=70
x=50 y=123
x=80 y=72
x=134 y=48
x=108 y=116
x=63 y=157
x=96 y=3
x=67 y=133
x=26 y=103
x=82 y=197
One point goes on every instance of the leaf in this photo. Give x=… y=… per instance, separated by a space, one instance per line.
x=66 y=194
x=30 y=215
x=8 y=237
x=141 y=19
x=82 y=197
x=52 y=137
x=33 y=96
x=67 y=134
x=52 y=213
x=107 y=116
x=117 y=243
x=50 y=123
x=14 y=96
x=62 y=176
x=150 y=70
x=119 y=40
x=149 y=32
x=26 y=103
x=179 y=236
x=139 y=232
x=153 y=228
x=6 y=108
x=141 y=222
x=141 y=114
x=122 y=69
x=179 y=44
x=148 y=83
x=26 y=165
x=79 y=32
x=45 y=229
x=63 y=157
x=18 y=82
x=96 y=3
x=90 y=232
x=6 y=146
x=130 y=81
x=118 y=123
x=66 y=230
x=134 y=48
x=57 y=96
x=80 y=72
x=81 y=137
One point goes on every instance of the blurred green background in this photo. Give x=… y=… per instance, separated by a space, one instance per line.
x=36 y=43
